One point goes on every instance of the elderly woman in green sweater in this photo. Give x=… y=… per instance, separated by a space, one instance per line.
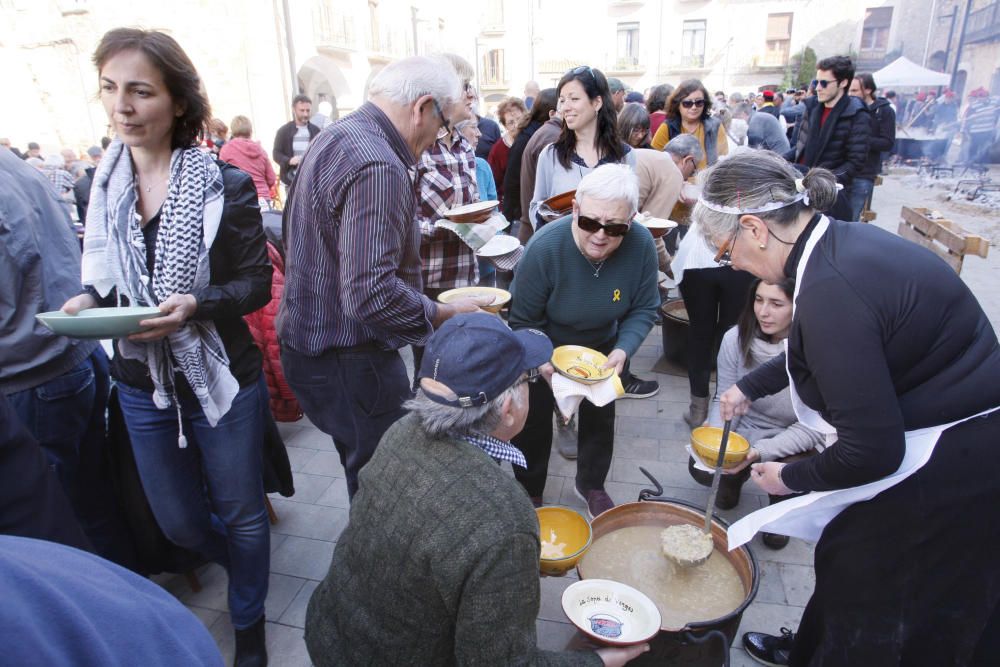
x=587 y=279
x=439 y=563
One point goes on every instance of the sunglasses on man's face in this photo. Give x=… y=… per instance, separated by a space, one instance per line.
x=823 y=83
x=613 y=229
x=688 y=104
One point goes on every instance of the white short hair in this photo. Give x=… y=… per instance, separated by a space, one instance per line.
x=405 y=81
x=610 y=182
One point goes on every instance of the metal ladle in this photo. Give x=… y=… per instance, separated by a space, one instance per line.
x=688 y=559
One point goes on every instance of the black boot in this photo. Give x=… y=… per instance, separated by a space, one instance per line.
x=774 y=540
x=250 y=648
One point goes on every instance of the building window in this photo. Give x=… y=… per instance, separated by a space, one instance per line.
x=628 y=44
x=778 y=41
x=875 y=34
x=693 y=44
x=493 y=70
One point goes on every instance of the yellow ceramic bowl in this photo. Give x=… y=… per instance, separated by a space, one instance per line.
x=562 y=530
x=500 y=296
x=705 y=441
x=580 y=363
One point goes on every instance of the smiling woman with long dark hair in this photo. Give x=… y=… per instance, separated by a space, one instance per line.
x=168 y=227
x=589 y=137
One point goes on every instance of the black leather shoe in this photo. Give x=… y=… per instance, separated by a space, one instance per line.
x=250 y=648
x=774 y=540
x=768 y=649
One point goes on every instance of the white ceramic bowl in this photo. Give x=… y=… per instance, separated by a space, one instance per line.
x=611 y=613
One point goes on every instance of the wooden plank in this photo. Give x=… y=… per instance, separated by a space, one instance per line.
x=868 y=216
x=878 y=180
x=935 y=229
x=911 y=234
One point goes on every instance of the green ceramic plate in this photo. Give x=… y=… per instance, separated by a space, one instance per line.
x=98 y=322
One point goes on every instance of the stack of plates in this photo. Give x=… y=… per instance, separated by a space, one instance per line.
x=503 y=250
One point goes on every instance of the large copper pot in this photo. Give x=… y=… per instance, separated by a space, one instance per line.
x=705 y=642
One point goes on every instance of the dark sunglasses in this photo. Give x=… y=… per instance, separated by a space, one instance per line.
x=823 y=83
x=583 y=68
x=592 y=226
x=687 y=104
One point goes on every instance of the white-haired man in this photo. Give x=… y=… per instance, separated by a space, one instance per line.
x=587 y=279
x=439 y=563
x=352 y=274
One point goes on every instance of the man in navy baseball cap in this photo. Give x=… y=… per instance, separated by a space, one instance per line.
x=475 y=357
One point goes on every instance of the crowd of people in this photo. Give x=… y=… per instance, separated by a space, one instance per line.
x=832 y=356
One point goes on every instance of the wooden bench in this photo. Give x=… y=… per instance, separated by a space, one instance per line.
x=943 y=237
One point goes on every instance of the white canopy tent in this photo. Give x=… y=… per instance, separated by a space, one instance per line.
x=902 y=72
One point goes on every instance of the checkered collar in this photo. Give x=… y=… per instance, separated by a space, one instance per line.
x=498 y=449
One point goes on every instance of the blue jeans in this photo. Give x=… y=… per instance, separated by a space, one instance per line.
x=66 y=415
x=859 y=192
x=209 y=496
x=352 y=395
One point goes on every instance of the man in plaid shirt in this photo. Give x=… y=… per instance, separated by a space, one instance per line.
x=447 y=172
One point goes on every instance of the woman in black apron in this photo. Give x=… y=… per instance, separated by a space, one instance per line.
x=890 y=349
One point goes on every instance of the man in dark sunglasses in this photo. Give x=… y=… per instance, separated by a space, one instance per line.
x=835 y=129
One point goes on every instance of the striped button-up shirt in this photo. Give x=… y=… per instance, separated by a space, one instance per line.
x=352 y=271
x=447 y=173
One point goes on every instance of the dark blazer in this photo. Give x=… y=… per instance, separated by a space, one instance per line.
x=283 y=151
x=512 y=177
x=882 y=139
x=841 y=144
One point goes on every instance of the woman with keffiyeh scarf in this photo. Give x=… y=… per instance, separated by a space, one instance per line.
x=169 y=227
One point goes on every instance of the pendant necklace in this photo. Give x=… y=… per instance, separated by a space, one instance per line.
x=597 y=267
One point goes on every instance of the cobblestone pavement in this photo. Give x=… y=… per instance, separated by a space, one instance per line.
x=649 y=433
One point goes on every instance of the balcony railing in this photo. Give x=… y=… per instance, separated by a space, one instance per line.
x=333 y=30
x=984 y=24
x=692 y=61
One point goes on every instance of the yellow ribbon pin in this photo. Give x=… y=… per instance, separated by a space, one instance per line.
x=618 y=295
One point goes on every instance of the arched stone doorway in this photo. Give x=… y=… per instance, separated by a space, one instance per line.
x=322 y=80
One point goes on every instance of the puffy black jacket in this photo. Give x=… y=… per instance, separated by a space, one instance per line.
x=841 y=145
x=882 y=139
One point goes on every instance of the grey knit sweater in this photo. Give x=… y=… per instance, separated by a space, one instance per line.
x=770 y=425
x=438 y=565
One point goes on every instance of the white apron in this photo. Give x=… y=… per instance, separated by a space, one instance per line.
x=806 y=516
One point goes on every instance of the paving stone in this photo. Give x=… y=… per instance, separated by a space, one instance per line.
x=312 y=438
x=767 y=617
x=206 y=616
x=323 y=463
x=316 y=522
x=298 y=457
x=335 y=494
x=302 y=557
x=215 y=589
x=799 y=582
x=553 y=636
x=295 y=615
x=551 y=603
x=286 y=646
x=308 y=488
x=770 y=584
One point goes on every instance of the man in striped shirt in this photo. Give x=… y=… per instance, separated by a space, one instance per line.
x=352 y=283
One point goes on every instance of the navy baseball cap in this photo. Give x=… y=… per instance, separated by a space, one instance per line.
x=478 y=357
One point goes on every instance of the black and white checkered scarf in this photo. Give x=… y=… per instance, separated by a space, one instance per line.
x=114 y=256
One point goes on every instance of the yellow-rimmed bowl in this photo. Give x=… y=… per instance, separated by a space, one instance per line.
x=581 y=364
x=706 y=440
x=500 y=296
x=562 y=526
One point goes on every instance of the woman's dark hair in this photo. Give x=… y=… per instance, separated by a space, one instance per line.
x=609 y=147
x=867 y=82
x=544 y=102
x=682 y=91
x=747 y=326
x=658 y=97
x=179 y=76
x=633 y=116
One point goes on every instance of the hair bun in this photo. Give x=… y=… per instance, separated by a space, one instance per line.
x=821 y=188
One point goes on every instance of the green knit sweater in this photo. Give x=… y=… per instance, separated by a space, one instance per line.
x=438 y=565
x=555 y=289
